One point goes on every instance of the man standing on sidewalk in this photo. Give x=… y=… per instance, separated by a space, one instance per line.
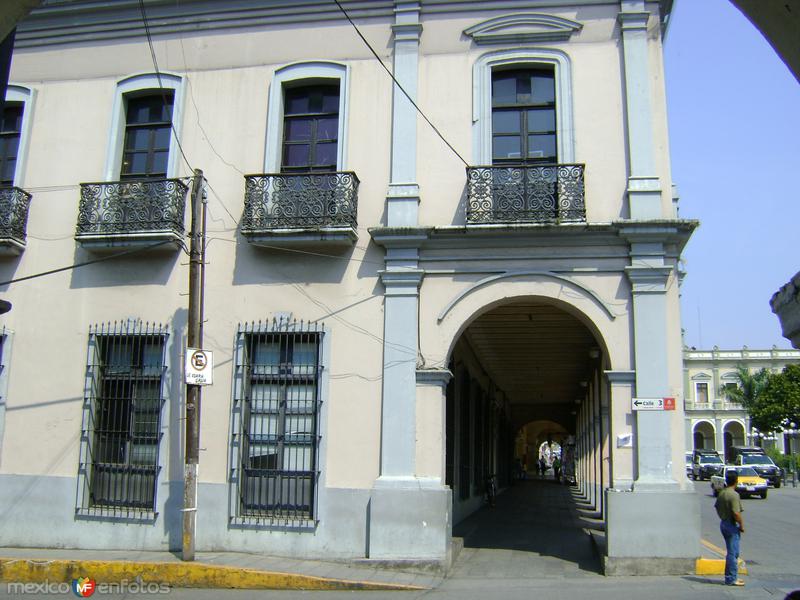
x=731 y=524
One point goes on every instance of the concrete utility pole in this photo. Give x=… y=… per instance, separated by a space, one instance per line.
x=197 y=256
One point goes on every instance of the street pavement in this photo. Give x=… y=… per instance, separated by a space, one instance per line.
x=535 y=544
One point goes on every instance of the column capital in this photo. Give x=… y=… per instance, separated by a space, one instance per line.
x=620 y=377
x=648 y=280
x=439 y=377
x=407 y=32
x=631 y=21
x=401 y=282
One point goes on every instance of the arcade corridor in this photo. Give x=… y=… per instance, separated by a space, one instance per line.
x=539 y=528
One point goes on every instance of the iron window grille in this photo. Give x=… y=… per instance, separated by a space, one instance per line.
x=14 y=204
x=300 y=200
x=276 y=423
x=122 y=412
x=132 y=207
x=526 y=194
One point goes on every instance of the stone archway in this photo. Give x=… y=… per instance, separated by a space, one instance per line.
x=703 y=435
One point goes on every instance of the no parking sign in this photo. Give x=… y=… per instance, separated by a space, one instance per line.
x=199 y=366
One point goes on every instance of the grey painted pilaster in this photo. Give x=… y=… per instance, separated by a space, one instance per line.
x=619 y=381
x=653 y=437
x=401 y=280
x=644 y=187
x=402 y=199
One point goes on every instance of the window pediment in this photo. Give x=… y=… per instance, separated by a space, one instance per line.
x=701 y=377
x=523 y=28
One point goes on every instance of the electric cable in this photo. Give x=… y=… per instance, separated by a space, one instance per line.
x=85 y=263
x=400 y=87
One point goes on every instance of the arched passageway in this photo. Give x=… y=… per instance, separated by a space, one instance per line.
x=527 y=380
x=733 y=435
x=704 y=436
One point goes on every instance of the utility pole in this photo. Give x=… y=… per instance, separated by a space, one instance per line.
x=197 y=255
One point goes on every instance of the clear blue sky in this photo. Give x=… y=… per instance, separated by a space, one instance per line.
x=734 y=116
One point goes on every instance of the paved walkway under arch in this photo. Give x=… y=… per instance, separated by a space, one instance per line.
x=539 y=528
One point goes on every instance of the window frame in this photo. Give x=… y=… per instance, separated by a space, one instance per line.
x=151 y=127
x=697 y=385
x=521 y=58
x=136 y=85
x=297 y=75
x=98 y=374
x=25 y=96
x=240 y=419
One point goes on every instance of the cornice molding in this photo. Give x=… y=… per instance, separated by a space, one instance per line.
x=523 y=28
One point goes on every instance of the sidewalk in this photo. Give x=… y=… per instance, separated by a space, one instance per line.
x=233 y=570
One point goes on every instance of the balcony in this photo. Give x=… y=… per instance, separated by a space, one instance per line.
x=131 y=213
x=14 y=203
x=291 y=209
x=547 y=194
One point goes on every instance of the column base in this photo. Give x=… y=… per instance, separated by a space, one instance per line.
x=652 y=532
x=409 y=519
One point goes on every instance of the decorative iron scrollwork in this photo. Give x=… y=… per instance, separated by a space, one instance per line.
x=14 y=203
x=300 y=201
x=124 y=207
x=526 y=194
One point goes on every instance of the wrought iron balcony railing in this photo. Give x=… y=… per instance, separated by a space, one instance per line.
x=132 y=207
x=525 y=194
x=14 y=203
x=300 y=201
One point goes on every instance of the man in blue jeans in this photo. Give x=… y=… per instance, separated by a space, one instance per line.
x=731 y=524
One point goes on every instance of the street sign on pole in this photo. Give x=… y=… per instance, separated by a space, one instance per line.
x=199 y=366
x=647 y=403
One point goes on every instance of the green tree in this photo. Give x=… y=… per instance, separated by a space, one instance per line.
x=778 y=403
x=750 y=388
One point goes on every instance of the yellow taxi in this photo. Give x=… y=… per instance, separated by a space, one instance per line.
x=749 y=484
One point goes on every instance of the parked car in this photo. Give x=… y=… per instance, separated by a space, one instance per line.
x=749 y=484
x=763 y=465
x=734 y=452
x=706 y=463
x=688 y=464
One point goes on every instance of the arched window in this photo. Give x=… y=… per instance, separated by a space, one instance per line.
x=522 y=107
x=306 y=129
x=145 y=118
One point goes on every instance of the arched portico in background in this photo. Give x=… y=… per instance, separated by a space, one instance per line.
x=704 y=435
x=733 y=434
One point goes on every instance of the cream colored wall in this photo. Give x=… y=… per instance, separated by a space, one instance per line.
x=51 y=317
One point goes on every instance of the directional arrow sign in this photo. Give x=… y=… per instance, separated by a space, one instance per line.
x=648 y=404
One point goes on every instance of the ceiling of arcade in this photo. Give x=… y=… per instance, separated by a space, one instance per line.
x=538 y=355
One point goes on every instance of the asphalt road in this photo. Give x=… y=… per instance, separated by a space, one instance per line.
x=770 y=544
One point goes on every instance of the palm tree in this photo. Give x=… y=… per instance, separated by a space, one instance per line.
x=749 y=389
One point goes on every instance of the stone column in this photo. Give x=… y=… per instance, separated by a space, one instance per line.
x=644 y=187
x=402 y=199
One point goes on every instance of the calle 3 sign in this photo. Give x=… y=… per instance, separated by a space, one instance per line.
x=653 y=403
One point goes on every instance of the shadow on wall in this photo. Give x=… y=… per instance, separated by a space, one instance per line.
x=172 y=478
x=151 y=267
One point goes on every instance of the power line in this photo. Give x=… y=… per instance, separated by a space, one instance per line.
x=83 y=264
x=402 y=89
x=160 y=84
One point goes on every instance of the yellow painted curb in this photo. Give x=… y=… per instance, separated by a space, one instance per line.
x=191 y=575
x=715 y=566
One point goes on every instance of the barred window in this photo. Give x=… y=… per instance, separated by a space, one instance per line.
x=278 y=371
x=122 y=418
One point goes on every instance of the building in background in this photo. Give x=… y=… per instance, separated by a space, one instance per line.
x=713 y=422
x=388 y=304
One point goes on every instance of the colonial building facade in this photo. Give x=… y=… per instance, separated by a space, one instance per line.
x=712 y=421
x=393 y=289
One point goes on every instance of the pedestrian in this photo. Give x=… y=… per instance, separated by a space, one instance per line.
x=731 y=525
x=557 y=468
